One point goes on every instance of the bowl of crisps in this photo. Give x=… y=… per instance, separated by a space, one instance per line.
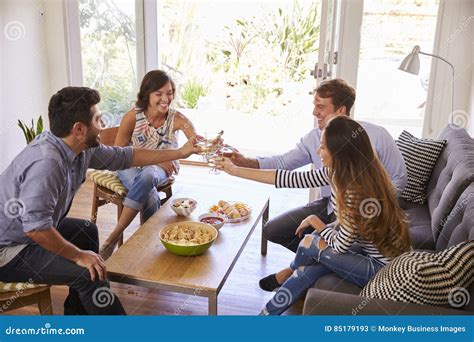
x=188 y=238
x=183 y=206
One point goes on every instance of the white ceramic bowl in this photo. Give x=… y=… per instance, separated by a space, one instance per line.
x=214 y=215
x=183 y=206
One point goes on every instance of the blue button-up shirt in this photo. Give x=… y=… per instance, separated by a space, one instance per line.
x=37 y=188
x=305 y=153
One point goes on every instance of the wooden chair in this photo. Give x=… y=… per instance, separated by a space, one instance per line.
x=26 y=294
x=111 y=190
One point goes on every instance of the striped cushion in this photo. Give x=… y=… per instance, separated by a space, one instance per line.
x=109 y=180
x=426 y=278
x=420 y=157
x=13 y=287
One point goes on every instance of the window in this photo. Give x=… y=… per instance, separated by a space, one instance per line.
x=109 y=57
x=243 y=66
x=386 y=95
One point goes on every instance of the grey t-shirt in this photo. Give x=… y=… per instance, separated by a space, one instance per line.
x=37 y=188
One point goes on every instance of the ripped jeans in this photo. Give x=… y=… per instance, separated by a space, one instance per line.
x=311 y=263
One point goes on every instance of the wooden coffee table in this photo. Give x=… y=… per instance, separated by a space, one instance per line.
x=143 y=260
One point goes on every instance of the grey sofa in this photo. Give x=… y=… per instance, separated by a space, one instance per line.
x=445 y=220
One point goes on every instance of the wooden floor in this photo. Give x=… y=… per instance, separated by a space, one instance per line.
x=240 y=294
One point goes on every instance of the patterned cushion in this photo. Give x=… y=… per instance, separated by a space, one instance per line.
x=13 y=287
x=420 y=157
x=109 y=180
x=426 y=278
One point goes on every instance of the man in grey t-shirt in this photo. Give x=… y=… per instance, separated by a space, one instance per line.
x=333 y=97
x=37 y=241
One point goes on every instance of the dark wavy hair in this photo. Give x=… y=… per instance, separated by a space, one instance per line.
x=365 y=196
x=153 y=81
x=70 y=105
x=340 y=92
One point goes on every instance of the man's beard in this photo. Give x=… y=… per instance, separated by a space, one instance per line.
x=91 y=140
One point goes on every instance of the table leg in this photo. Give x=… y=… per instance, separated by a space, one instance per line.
x=212 y=304
x=264 y=244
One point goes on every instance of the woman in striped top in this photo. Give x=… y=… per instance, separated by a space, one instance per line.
x=370 y=230
x=152 y=124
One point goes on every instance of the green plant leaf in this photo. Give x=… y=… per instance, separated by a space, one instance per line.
x=39 y=125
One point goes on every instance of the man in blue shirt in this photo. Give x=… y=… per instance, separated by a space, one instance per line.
x=38 y=243
x=333 y=97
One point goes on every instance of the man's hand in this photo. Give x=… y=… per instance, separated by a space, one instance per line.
x=168 y=167
x=190 y=148
x=311 y=221
x=227 y=166
x=240 y=160
x=93 y=262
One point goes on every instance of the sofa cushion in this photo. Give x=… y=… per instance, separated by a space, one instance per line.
x=420 y=225
x=418 y=277
x=452 y=174
x=420 y=157
x=332 y=282
x=459 y=225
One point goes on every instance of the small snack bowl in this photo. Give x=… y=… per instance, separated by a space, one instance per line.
x=183 y=206
x=214 y=219
x=188 y=238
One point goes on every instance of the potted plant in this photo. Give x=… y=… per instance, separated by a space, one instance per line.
x=31 y=132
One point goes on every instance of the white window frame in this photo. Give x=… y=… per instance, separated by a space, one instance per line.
x=147 y=50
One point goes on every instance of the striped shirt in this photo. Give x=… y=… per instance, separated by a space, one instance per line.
x=338 y=237
x=146 y=136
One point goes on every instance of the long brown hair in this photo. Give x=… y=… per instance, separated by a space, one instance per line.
x=365 y=196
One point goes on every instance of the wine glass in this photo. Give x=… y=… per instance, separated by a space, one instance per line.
x=212 y=158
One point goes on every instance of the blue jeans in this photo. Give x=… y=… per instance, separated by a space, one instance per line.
x=141 y=184
x=311 y=263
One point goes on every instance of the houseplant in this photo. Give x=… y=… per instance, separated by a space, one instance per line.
x=31 y=132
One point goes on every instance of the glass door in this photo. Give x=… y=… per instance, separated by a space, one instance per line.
x=243 y=66
x=385 y=95
x=326 y=64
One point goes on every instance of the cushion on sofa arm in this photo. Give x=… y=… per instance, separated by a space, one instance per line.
x=321 y=302
x=420 y=157
x=440 y=278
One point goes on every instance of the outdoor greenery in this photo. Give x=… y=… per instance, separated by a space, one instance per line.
x=253 y=56
x=191 y=93
x=109 y=53
x=30 y=132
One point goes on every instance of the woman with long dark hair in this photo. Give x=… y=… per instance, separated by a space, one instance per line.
x=370 y=229
x=151 y=124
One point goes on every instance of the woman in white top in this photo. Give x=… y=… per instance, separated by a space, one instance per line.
x=151 y=124
x=370 y=228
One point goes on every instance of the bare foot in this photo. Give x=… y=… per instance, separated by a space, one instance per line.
x=283 y=275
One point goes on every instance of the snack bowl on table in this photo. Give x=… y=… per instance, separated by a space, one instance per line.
x=188 y=238
x=183 y=206
x=214 y=219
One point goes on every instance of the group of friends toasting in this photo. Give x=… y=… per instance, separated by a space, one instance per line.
x=354 y=162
